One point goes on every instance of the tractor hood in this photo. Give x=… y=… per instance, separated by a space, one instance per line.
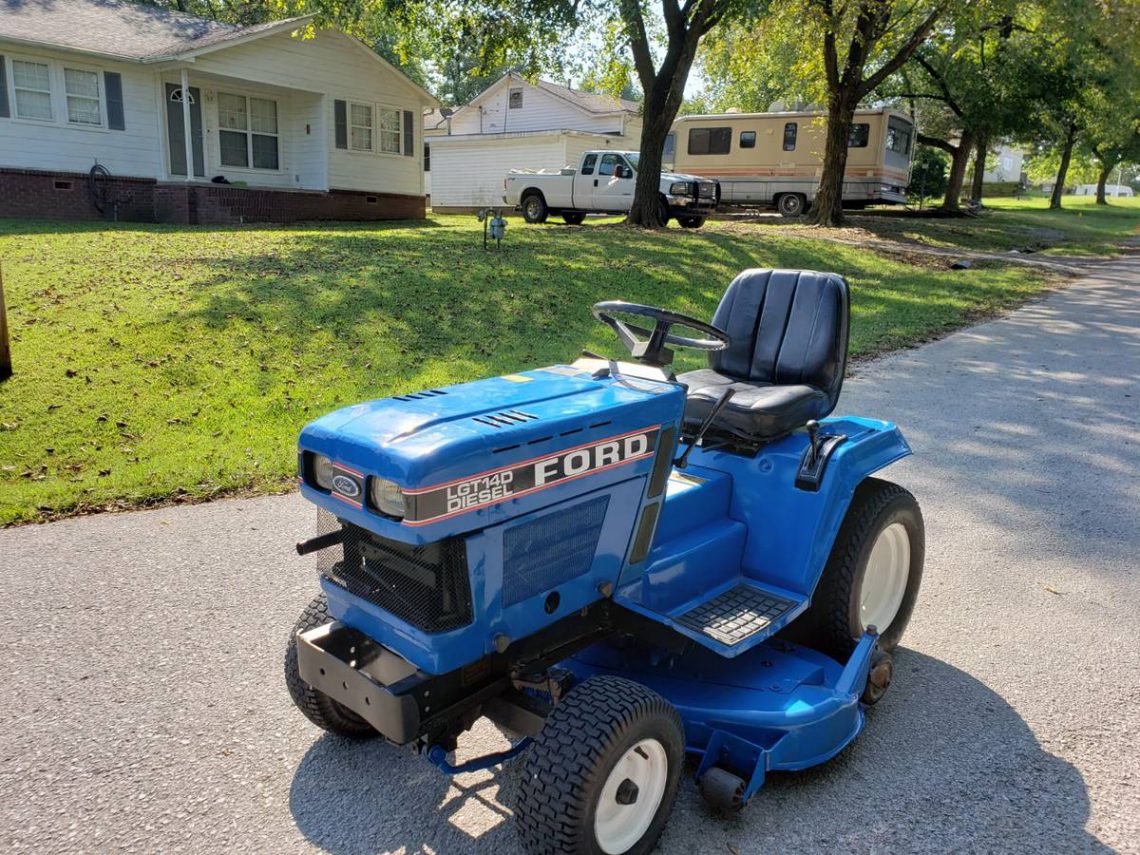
x=472 y=449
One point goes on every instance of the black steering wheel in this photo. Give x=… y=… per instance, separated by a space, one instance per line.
x=650 y=346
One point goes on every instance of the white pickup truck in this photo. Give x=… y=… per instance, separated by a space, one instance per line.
x=603 y=183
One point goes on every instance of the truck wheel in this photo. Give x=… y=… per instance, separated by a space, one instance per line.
x=662 y=212
x=791 y=204
x=691 y=222
x=534 y=207
x=573 y=218
x=602 y=775
x=318 y=707
x=873 y=573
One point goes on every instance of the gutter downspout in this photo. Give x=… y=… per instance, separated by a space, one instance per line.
x=187 y=131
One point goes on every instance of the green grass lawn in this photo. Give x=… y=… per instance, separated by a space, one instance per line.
x=158 y=362
x=1080 y=228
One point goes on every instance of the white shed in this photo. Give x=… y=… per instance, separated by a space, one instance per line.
x=513 y=124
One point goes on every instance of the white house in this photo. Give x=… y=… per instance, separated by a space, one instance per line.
x=1007 y=164
x=285 y=123
x=516 y=123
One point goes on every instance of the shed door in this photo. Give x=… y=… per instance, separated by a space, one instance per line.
x=176 y=141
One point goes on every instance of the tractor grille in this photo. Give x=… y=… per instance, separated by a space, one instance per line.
x=425 y=586
x=544 y=553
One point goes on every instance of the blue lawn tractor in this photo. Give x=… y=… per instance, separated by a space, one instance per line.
x=619 y=565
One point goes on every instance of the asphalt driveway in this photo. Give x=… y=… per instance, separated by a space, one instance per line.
x=144 y=709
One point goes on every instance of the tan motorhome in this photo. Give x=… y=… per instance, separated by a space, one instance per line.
x=776 y=158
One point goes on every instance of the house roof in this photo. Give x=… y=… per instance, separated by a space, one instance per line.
x=591 y=102
x=122 y=29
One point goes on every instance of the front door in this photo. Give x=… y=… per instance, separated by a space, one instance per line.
x=613 y=187
x=175 y=130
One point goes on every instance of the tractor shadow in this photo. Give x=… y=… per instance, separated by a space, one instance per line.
x=945 y=764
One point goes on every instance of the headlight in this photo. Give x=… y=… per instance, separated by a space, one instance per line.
x=387 y=497
x=322 y=471
x=680 y=188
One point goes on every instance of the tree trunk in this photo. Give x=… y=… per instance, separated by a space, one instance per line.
x=1063 y=170
x=1102 y=180
x=960 y=159
x=647 y=189
x=979 y=168
x=827 y=209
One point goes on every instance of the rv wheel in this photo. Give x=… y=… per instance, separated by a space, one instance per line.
x=602 y=775
x=318 y=707
x=791 y=204
x=534 y=207
x=691 y=222
x=573 y=218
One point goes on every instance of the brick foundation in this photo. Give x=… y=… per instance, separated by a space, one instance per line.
x=65 y=196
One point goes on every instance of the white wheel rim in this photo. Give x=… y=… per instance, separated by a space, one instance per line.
x=884 y=581
x=618 y=826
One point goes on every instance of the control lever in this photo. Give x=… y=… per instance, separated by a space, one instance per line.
x=813 y=437
x=813 y=462
x=725 y=396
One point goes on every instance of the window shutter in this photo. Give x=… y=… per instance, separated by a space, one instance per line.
x=4 y=113
x=340 y=119
x=409 y=134
x=113 y=85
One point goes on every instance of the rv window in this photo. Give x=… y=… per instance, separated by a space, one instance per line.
x=588 y=164
x=898 y=139
x=670 y=145
x=859 y=135
x=748 y=139
x=790 y=130
x=710 y=140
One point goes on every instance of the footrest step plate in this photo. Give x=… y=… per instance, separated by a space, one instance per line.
x=736 y=615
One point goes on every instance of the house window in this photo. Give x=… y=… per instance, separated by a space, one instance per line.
x=389 y=130
x=860 y=133
x=710 y=140
x=31 y=85
x=791 y=129
x=82 y=91
x=748 y=139
x=247 y=131
x=427 y=158
x=515 y=99
x=360 y=127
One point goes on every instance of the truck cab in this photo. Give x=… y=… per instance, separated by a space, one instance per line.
x=603 y=182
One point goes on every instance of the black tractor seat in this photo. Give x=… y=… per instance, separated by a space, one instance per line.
x=786 y=360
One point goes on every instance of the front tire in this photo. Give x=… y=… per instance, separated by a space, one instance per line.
x=691 y=222
x=318 y=707
x=602 y=776
x=874 y=571
x=662 y=212
x=791 y=204
x=534 y=208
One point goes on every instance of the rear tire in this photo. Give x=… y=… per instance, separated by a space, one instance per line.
x=573 y=218
x=791 y=204
x=318 y=707
x=691 y=222
x=602 y=776
x=534 y=208
x=873 y=573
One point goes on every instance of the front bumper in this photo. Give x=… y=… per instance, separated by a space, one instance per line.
x=363 y=676
x=691 y=204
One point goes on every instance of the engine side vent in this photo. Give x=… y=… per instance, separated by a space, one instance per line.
x=551 y=550
x=419 y=396
x=506 y=418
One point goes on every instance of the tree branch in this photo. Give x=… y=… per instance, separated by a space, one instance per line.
x=940 y=82
x=936 y=143
x=904 y=53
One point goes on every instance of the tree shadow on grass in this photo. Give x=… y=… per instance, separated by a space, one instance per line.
x=944 y=764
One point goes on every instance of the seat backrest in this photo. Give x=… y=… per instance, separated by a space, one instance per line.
x=786 y=327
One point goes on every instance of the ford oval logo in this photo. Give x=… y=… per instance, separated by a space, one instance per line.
x=346 y=486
